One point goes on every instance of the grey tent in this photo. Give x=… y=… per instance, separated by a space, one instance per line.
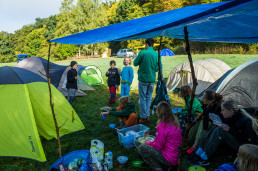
x=206 y=71
x=57 y=74
x=239 y=84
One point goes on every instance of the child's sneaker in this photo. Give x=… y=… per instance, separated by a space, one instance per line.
x=144 y=120
x=200 y=162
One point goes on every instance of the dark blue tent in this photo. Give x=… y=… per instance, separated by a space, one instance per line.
x=166 y=52
x=230 y=21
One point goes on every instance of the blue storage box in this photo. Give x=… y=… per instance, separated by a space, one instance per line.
x=128 y=135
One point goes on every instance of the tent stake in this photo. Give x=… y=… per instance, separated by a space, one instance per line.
x=185 y=137
x=52 y=105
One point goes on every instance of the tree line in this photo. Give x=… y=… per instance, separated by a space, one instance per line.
x=90 y=14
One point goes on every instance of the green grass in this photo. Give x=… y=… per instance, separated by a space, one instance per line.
x=95 y=128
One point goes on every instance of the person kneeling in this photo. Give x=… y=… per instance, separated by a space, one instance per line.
x=164 y=150
x=125 y=112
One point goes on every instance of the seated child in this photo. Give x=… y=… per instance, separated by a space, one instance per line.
x=239 y=128
x=196 y=108
x=211 y=104
x=125 y=112
x=164 y=150
x=247 y=158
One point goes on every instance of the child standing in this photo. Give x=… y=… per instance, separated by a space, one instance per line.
x=113 y=81
x=71 y=84
x=125 y=112
x=164 y=150
x=127 y=77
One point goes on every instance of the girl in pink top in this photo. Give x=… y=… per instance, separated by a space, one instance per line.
x=164 y=150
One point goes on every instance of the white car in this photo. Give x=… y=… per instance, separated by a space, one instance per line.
x=125 y=53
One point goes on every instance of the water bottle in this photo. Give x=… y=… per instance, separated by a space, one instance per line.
x=109 y=159
x=103 y=117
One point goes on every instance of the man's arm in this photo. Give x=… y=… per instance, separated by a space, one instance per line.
x=138 y=59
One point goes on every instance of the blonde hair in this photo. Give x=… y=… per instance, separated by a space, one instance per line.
x=124 y=101
x=230 y=104
x=165 y=114
x=129 y=60
x=248 y=157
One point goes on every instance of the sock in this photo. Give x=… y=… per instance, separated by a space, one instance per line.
x=195 y=146
x=204 y=156
x=199 y=151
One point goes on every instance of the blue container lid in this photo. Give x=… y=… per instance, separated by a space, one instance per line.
x=112 y=126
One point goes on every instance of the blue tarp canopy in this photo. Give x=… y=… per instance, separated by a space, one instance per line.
x=230 y=21
x=166 y=52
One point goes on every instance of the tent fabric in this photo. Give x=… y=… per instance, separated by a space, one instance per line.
x=57 y=73
x=215 y=85
x=19 y=135
x=28 y=115
x=240 y=84
x=92 y=75
x=166 y=52
x=213 y=22
x=18 y=76
x=206 y=71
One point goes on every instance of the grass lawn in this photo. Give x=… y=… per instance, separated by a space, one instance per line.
x=88 y=108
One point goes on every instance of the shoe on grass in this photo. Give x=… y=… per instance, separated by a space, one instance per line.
x=144 y=120
x=200 y=162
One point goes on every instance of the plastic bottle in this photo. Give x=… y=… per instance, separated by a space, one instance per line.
x=103 y=117
x=109 y=159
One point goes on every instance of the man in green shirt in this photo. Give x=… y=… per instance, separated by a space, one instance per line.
x=148 y=66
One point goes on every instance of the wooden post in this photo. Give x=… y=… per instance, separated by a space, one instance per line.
x=52 y=105
x=185 y=137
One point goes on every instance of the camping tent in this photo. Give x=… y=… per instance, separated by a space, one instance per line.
x=206 y=71
x=57 y=74
x=166 y=52
x=239 y=84
x=25 y=113
x=91 y=74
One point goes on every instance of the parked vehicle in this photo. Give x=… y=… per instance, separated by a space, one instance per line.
x=20 y=57
x=125 y=53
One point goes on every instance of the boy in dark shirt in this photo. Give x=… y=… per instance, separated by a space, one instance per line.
x=113 y=81
x=71 y=84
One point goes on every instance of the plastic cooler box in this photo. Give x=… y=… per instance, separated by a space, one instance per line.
x=128 y=140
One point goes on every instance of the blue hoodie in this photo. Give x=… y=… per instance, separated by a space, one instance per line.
x=127 y=75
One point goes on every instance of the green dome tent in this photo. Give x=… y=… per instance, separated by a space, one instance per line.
x=26 y=114
x=91 y=74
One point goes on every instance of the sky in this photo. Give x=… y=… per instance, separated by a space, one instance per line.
x=16 y=13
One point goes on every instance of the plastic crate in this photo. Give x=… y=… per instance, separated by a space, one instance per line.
x=128 y=140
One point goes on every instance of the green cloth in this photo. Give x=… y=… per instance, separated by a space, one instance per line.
x=148 y=65
x=130 y=108
x=196 y=108
x=197 y=132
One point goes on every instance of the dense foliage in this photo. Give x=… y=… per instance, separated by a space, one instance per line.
x=90 y=14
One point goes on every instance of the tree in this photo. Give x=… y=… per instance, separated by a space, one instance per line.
x=6 y=47
x=35 y=41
